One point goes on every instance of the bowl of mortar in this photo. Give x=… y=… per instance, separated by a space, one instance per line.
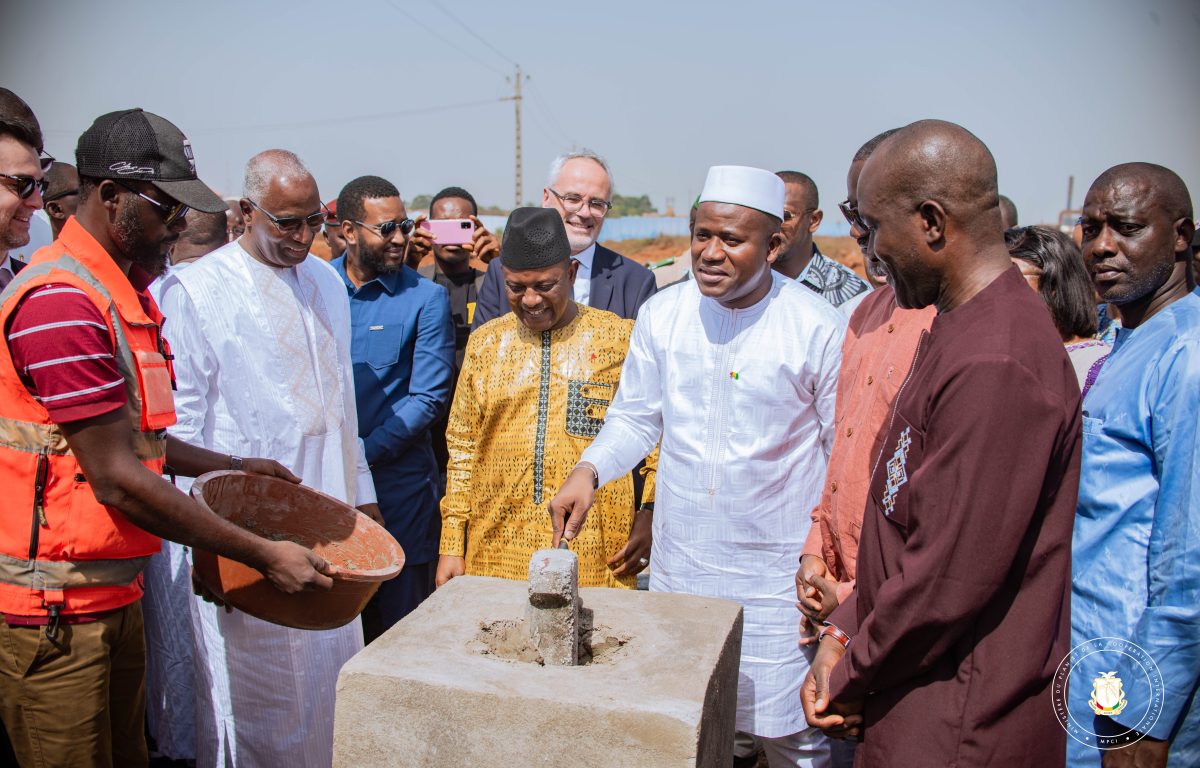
x=362 y=553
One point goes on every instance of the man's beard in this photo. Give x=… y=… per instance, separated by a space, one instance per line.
x=377 y=262
x=132 y=242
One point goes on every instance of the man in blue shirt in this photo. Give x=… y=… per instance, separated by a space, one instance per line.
x=402 y=346
x=1135 y=611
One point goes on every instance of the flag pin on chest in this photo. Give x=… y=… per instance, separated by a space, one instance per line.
x=734 y=375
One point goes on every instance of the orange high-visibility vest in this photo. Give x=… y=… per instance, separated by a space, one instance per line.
x=62 y=551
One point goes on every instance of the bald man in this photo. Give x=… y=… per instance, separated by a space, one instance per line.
x=946 y=651
x=61 y=197
x=235 y=223
x=1008 y=213
x=205 y=233
x=1136 y=546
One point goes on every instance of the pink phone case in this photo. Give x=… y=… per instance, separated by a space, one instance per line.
x=450 y=231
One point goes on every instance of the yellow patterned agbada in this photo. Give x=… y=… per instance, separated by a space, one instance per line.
x=526 y=406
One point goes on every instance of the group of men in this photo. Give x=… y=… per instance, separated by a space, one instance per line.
x=900 y=466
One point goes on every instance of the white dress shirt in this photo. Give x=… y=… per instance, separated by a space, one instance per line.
x=743 y=400
x=583 y=278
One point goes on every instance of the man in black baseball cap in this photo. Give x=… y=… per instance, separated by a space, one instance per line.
x=85 y=394
x=136 y=145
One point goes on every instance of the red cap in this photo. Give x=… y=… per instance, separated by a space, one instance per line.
x=331 y=217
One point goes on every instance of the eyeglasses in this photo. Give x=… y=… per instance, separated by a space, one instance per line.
x=26 y=185
x=292 y=223
x=58 y=195
x=170 y=212
x=850 y=211
x=388 y=228
x=46 y=160
x=572 y=203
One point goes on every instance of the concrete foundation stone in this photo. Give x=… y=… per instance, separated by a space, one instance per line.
x=660 y=688
x=553 y=610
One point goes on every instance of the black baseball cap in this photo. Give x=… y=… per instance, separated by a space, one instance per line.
x=135 y=144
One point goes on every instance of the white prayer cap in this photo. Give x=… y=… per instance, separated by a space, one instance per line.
x=745 y=186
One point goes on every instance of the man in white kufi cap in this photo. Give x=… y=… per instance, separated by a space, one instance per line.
x=736 y=371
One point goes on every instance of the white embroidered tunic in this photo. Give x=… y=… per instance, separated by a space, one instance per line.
x=262 y=363
x=744 y=401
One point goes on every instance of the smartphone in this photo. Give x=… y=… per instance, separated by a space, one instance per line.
x=450 y=231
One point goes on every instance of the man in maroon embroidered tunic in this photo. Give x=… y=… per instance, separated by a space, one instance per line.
x=961 y=611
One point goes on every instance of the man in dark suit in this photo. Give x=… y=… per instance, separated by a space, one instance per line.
x=580 y=189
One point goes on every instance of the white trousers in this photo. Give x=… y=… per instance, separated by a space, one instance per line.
x=804 y=749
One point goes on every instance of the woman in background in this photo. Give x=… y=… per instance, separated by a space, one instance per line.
x=1053 y=266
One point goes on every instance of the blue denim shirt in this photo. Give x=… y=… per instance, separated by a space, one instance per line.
x=402 y=347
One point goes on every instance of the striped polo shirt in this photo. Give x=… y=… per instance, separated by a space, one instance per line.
x=62 y=350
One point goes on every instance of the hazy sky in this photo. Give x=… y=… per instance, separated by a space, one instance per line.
x=663 y=90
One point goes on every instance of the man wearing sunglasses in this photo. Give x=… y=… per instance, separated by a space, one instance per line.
x=85 y=399
x=580 y=188
x=802 y=260
x=21 y=182
x=402 y=345
x=261 y=335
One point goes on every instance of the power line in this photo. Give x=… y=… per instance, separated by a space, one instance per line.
x=446 y=40
x=470 y=31
x=545 y=109
x=353 y=118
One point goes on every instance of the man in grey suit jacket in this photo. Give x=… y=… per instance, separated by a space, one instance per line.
x=580 y=189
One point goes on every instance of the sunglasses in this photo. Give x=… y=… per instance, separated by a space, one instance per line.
x=25 y=185
x=850 y=211
x=170 y=212
x=291 y=224
x=388 y=228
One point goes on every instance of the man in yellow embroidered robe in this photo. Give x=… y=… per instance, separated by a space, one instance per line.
x=533 y=391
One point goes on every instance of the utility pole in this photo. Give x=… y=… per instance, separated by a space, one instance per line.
x=516 y=100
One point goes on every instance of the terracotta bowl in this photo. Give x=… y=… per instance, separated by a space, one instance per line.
x=361 y=552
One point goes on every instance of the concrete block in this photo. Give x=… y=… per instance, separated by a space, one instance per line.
x=456 y=683
x=553 y=612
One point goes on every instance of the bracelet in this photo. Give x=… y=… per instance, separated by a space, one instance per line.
x=235 y=463
x=595 y=474
x=831 y=631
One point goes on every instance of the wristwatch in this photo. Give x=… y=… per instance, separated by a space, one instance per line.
x=235 y=463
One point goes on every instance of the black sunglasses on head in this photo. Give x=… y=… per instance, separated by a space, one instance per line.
x=25 y=185
x=388 y=228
